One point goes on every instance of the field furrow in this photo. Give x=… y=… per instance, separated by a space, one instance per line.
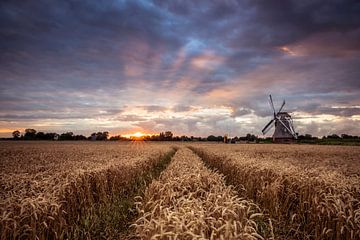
x=306 y=203
x=189 y=201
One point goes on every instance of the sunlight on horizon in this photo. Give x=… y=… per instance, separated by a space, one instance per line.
x=137 y=135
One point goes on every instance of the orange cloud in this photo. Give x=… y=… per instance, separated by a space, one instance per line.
x=7 y=130
x=288 y=51
x=207 y=61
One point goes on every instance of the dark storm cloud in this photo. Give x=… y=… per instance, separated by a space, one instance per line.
x=266 y=23
x=75 y=41
x=286 y=22
x=253 y=32
x=92 y=59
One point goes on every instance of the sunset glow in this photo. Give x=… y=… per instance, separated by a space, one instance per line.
x=190 y=67
x=137 y=135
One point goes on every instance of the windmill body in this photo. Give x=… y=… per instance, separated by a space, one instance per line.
x=284 y=128
x=283 y=134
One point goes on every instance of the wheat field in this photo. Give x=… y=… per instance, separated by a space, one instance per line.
x=189 y=201
x=59 y=190
x=310 y=192
x=138 y=190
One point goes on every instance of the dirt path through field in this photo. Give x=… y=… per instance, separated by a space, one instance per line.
x=189 y=201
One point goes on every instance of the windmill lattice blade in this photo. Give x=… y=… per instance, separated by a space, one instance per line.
x=267 y=127
x=292 y=129
x=272 y=104
x=281 y=106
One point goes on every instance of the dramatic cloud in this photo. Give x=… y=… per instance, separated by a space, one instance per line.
x=193 y=67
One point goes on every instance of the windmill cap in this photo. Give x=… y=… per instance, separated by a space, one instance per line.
x=283 y=113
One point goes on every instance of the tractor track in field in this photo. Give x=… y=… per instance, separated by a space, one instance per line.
x=190 y=201
x=138 y=186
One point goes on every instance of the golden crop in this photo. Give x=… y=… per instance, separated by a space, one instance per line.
x=86 y=190
x=189 y=201
x=312 y=192
x=47 y=188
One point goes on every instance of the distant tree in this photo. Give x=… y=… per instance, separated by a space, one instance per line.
x=250 y=137
x=50 y=136
x=346 y=136
x=102 y=136
x=79 y=137
x=92 y=137
x=115 y=138
x=305 y=137
x=165 y=136
x=105 y=135
x=184 y=138
x=40 y=136
x=30 y=134
x=220 y=138
x=212 y=138
x=66 y=136
x=333 y=136
x=308 y=136
x=154 y=138
x=168 y=135
x=176 y=138
x=99 y=136
x=149 y=138
x=16 y=134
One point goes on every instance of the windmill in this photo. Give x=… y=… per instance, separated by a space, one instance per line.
x=284 y=128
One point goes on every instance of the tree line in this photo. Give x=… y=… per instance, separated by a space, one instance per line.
x=32 y=134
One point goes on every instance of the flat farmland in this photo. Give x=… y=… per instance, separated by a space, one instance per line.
x=342 y=159
x=56 y=190
x=171 y=190
x=309 y=191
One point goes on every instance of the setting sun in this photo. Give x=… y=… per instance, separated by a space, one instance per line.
x=137 y=135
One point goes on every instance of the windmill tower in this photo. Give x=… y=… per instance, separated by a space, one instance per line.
x=284 y=128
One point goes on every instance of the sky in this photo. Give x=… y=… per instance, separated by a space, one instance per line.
x=192 y=67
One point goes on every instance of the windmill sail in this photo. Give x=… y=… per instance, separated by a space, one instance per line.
x=281 y=107
x=268 y=127
x=272 y=104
